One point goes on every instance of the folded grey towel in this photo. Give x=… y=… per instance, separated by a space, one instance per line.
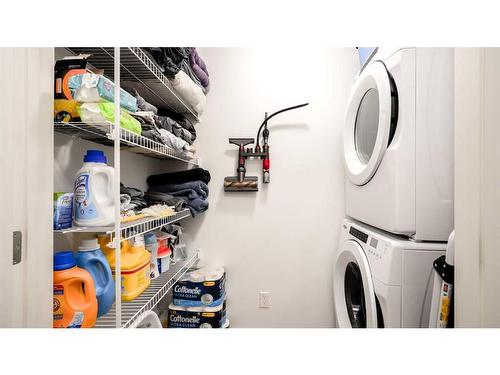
x=197 y=206
x=133 y=192
x=155 y=197
x=182 y=189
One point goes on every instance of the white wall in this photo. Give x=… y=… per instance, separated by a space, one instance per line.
x=281 y=239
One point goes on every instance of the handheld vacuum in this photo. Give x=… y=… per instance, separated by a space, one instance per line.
x=241 y=182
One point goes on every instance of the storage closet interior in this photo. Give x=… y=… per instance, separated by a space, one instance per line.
x=85 y=133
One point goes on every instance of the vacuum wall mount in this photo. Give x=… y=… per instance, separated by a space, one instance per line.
x=241 y=182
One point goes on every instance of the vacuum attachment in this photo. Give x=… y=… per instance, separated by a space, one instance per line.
x=240 y=182
x=250 y=183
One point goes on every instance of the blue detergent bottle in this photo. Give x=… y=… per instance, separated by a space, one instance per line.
x=91 y=258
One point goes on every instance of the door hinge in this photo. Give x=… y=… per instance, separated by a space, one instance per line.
x=17 y=246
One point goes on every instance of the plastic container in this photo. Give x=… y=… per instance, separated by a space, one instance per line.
x=149 y=320
x=63 y=210
x=91 y=258
x=164 y=251
x=93 y=198
x=164 y=263
x=163 y=243
x=152 y=247
x=75 y=302
x=135 y=270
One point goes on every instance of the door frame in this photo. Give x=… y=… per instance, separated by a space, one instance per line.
x=26 y=148
x=477 y=181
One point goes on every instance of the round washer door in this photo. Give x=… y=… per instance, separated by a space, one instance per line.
x=368 y=123
x=355 y=302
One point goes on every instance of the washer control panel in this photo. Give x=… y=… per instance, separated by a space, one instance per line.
x=363 y=237
x=375 y=247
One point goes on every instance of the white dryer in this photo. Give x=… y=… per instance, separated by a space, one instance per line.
x=398 y=143
x=382 y=280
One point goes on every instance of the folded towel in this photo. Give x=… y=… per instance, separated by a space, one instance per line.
x=195 y=174
x=154 y=197
x=132 y=192
x=197 y=206
x=187 y=193
x=199 y=67
x=172 y=126
x=184 y=189
x=172 y=141
x=168 y=58
x=142 y=104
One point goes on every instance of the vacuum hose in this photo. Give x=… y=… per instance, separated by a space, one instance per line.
x=274 y=114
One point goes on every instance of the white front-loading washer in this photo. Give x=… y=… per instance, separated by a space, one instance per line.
x=398 y=143
x=382 y=280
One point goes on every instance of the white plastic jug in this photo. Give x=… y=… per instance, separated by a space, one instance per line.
x=93 y=198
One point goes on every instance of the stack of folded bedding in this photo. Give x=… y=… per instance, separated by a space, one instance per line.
x=131 y=202
x=199 y=69
x=176 y=128
x=186 y=71
x=135 y=204
x=190 y=186
x=178 y=134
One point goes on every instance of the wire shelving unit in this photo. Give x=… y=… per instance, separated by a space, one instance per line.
x=139 y=71
x=102 y=133
x=133 y=228
x=132 y=67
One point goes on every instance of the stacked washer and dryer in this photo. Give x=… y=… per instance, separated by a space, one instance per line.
x=398 y=153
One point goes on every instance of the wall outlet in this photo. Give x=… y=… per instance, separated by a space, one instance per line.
x=264 y=300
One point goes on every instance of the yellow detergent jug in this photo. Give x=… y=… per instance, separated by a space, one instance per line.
x=135 y=259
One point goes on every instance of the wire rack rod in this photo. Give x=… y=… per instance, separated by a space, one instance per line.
x=146 y=225
x=133 y=228
x=133 y=311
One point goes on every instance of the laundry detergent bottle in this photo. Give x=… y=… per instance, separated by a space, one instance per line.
x=135 y=266
x=75 y=302
x=93 y=196
x=91 y=258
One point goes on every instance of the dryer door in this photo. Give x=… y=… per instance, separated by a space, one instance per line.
x=355 y=302
x=370 y=122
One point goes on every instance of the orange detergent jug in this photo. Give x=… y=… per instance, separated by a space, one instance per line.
x=135 y=269
x=75 y=301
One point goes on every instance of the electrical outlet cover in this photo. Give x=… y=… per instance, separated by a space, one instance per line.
x=264 y=300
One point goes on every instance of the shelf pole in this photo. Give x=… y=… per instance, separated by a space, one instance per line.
x=116 y=189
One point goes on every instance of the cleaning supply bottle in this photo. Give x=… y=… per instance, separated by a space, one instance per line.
x=135 y=268
x=94 y=199
x=152 y=246
x=75 y=302
x=91 y=258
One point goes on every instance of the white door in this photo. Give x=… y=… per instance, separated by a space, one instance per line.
x=355 y=302
x=370 y=122
x=26 y=160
